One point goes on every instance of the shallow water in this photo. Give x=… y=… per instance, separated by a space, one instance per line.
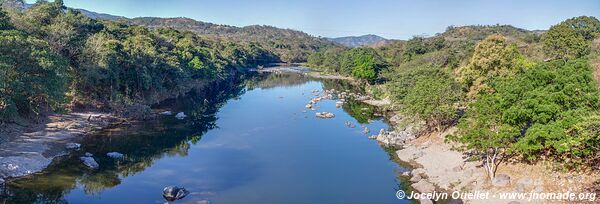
x=247 y=143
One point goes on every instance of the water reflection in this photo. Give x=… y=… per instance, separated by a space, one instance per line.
x=159 y=152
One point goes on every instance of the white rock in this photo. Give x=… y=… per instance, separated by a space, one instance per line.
x=180 y=116
x=114 y=155
x=73 y=145
x=90 y=162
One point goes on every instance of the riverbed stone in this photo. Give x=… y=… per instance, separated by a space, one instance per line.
x=172 y=193
x=115 y=155
x=180 y=116
x=73 y=145
x=90 y=162
x=501 y=180
x=423 y=186
x=324 y=115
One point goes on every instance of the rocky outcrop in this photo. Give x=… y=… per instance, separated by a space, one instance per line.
x=31 y=150
x=396 y=137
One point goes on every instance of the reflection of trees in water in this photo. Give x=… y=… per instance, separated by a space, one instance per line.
x=360 y=111
x=272 y=80
x=142 y=144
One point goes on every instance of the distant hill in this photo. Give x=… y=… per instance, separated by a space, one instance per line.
x=359 y=41
x=290 y=45
x=95 y=15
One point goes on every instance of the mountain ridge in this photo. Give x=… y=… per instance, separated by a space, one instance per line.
x=360 y=41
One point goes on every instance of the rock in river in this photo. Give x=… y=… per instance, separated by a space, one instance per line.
x=73 y=145
x=172 y=193
x=180 y=116
x=90 y=162
x=115 y=155
x=324 y=115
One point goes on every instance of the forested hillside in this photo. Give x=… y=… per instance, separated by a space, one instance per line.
x=289 y=45
x=358 y=41
x=513 y=93
x=55 y=58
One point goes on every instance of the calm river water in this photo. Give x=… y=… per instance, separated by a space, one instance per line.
x=245 y=143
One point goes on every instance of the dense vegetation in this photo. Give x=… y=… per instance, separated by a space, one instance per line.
x=288 y=45
x=515 y=94
x=54 y=58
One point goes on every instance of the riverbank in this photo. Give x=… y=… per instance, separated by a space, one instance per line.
x=439 y=167
x=30 y=149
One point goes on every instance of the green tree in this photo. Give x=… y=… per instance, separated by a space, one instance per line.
x=587 y=26
x=564 y=42
x=493 y=57
x=433 y=98
x=33 y=77
x=546 y=111
x=4 y=21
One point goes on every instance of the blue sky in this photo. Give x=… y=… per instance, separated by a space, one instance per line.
x=399 y=19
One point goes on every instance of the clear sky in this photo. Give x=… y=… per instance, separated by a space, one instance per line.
x=398 y=19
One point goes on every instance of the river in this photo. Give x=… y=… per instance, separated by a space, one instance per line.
x=250 y=142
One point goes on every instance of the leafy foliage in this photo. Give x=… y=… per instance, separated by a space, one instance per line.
x=534 y=113
x=52 y=57
x=493 y=57
x=570 y=39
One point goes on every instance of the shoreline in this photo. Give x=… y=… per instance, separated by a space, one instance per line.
x=30 y=149
x=438 y=167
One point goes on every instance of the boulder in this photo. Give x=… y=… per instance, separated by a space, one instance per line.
x=90 y=162
x=324 y=115
x=87 y=154
x=115 y=155
x=72 y=145
x=423 y=186
x=180 y=116
x=172 y=193
x=417 y=171
x=415 y=178
x=501 y=180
